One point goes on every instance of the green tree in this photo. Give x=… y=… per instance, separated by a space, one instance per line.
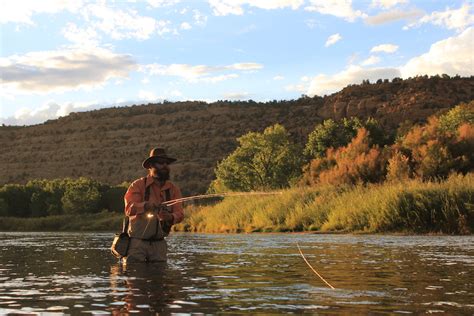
x=17 y=197
x=81 y=196
x=267 y=160
x=454 y=118
x=332 y=134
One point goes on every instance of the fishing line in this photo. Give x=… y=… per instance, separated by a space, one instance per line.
x=319 y=275
x=150 y=215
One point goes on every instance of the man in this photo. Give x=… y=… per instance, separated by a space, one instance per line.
x=149 y=221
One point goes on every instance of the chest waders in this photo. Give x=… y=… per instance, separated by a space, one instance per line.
x=163 y=225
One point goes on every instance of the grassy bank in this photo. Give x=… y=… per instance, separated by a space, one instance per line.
x=104 y=221
x=412 y=207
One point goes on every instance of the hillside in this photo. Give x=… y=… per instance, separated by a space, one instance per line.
x=110 y=144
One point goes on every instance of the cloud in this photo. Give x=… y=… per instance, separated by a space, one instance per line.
x=339 y=8
x=278 y=77
x=87 y=37
x=22 y=11
x=185 y=26
x=49 y=110
x=199 y=73
x=236 y=95
x=199 y=18
x=372 y=60
x=61 y=70
x=235 y=7
x=451 y=56
x=387 y=4
x=121 y=24
x=386 y=48
x=325 y=84
x=162 y=3
x=451 y=19
x=333 y=39
x=147 y=95
x=393 y=15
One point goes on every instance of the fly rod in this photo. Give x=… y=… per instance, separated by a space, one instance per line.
x=206 y=196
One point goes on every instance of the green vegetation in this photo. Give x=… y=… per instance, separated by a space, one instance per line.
x=267 y=160
x=413 y=206
x=41 y=198
x=352 y=179
x=356 y=185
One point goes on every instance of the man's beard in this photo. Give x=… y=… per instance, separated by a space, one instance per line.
x=162 y=175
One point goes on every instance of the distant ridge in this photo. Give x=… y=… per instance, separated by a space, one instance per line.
x=110 y=144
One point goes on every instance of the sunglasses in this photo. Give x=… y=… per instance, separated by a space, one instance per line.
x=161 y=162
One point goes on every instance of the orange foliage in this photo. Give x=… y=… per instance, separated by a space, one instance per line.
x=355 y=163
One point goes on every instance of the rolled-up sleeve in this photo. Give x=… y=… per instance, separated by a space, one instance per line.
x=177 y=209
x=133 y=198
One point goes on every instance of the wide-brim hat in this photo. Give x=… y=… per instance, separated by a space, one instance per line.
x=157 y=153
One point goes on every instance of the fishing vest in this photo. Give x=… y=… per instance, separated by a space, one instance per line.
x=149 y=228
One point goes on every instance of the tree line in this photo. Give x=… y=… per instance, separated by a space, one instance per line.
x=40 y=198
x=351 y=151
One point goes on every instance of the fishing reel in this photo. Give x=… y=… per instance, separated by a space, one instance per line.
x=157 y=209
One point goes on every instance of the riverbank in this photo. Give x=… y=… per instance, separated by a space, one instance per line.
x=445 y=207
x=103 y=221
x=409 y=207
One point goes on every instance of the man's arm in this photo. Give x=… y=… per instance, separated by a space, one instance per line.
x=134 y=204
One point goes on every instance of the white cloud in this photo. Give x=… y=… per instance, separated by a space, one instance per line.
x=199 y=18
x=372 y=60
x=326 y=84
x=147 y=95
x=121 y=24
x=451 y=19
x=87 y=37
x=22 y=11
x=387 y=4
x=339 y=8
x=49 y=110
x=199 y=73
x=278 y=77
x=235 y=7
x=300 y=87
x=236 y=95
x=393 y=15
x=61 y=70
x=162 y=3
x=333 y=39
x=386 y=48
x=452 y=56
x=185 y=26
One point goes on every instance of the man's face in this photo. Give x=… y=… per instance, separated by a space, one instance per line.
x=159 y=169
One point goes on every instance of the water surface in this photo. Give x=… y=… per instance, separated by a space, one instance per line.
x=74 y=273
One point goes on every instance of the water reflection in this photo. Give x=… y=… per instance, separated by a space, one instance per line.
x=74 y=273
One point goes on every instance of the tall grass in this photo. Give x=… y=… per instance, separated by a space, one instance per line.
x=411 y=206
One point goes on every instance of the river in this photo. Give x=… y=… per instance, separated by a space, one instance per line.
x=74 y=273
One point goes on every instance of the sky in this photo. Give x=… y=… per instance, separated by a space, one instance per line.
x=58 y=56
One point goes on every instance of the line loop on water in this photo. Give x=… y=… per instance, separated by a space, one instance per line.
x=314 y=270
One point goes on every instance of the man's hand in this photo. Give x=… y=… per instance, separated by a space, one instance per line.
x=150 y=207
x=165 y=216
